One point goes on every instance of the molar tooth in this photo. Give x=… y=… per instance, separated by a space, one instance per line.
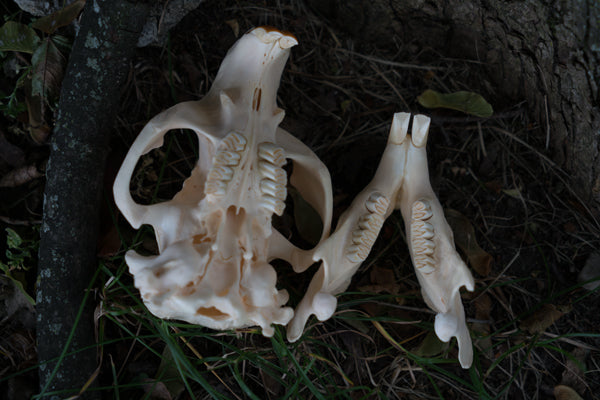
x=226 y=157
x=235 y=142
x=274 y=189
x=377 y=203
x=425 y=265
x=357 y=253
x=370 y=222
x=215 y=187
x=421 y=210
x=271 y=203
x=272 y=172
x=220 y=172
x=271 y=153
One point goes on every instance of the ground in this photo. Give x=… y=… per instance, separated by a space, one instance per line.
x=534 y=326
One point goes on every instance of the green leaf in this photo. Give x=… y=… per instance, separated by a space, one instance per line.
x=13 y=240
x=169 y=375
x=15 y=36
x=431 y=346
x=63 y=17
x=467 y=102
x=48 y=68
x=307 y=219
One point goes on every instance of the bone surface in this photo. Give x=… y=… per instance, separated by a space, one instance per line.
x=344 y=251
x=214 y=236
x=440 y=270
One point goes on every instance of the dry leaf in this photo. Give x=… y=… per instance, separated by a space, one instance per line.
x=464 y=237
x=307 y=219
x=383 y=281
x=63 y=17
x=483 y=307
x=591 y=271
x=562 y=392
x=20 y=176
x=431 y=346
x=9 y=153
x=47 y=63
x=234 y=25
x=574 y=374
x=543 y=318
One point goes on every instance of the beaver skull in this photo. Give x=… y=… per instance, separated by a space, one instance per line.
x=214 y=235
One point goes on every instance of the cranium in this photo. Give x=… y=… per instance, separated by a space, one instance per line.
x=214 y=235
x=215 y=238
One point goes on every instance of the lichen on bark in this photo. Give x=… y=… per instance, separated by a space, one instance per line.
x=67 y=257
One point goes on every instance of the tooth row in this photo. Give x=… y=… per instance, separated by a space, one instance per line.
x=368 y=228
x=273 y=185
x=227 y=158
x=422 y=233
x=271 y=153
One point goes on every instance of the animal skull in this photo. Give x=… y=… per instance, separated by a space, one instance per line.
x=401 y=181
x=215 y=238
x=214 y=235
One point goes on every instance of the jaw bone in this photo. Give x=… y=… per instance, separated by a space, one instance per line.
x=440 y=270
x=401 y=181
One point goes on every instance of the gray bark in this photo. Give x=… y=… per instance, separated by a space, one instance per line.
x=67 y=257
x=544 y=52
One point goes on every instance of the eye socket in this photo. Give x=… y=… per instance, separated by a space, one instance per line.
x=160 y=173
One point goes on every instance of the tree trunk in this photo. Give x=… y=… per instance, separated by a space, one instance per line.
x=67 y=257
x=544 y=52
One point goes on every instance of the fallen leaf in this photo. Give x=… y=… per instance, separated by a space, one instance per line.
x=574 y=373
x=307 y=219
x=464 y=237
x=15 y=36
x=483 y=307
x=36 y=112
x=9 y=153
x=234 y=25
x=591 y=272
x=63 y=17
x=20 y=176
x=431 y=346
x=562 y=392
x=543 y=318
x=168 y=373
x=48 y=68
x=467 y=102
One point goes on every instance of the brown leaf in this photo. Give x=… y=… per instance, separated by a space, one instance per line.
x=48 y=65
x=573 y=375
x=63 y=17
x=543 y=318
x=382 y=281
x=591 y=272
x=110 y=243
x=562 y=392
x=483 y=307
x=9 y=153
x=464 y=237
x=20 y=176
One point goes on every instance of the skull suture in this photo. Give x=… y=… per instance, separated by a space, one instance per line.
x=215 y=237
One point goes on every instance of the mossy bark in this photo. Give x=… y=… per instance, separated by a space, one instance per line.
x=97 y=69
x=546 y=53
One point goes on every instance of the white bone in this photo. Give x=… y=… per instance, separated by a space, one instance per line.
x=439 y=269
x=214 y=236
x=343 y=252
